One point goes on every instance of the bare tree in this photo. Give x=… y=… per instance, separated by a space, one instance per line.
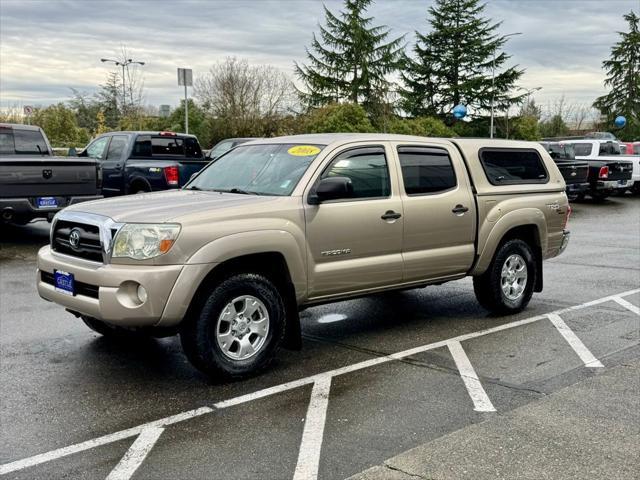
x=248 y=99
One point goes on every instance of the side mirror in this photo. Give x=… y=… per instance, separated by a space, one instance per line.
x=72 y=152
x=332 y=188
x=553 y=155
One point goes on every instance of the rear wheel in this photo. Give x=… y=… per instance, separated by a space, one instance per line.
x=239 y=328
x=507 y=285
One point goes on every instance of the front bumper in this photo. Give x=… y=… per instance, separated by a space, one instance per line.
x=109 y=292
x=25 y=209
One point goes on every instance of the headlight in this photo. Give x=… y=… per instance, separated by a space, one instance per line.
x=142 y=241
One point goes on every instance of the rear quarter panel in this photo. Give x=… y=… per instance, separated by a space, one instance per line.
x=502 y=208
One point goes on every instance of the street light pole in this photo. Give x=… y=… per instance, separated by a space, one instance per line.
x=493 y=77
x=124 y=64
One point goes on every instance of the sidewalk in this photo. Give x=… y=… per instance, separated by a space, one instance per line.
x=590 y=430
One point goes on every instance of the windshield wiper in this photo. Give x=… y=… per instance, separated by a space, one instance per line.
x=242 y=192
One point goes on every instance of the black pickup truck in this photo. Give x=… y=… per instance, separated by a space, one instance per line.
x=574 y=172
x=34 y=183
x=135 y=162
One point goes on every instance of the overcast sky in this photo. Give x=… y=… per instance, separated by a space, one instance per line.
x=47 y=47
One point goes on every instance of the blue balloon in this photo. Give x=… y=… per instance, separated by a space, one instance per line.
x=459 y=111
x=620 y=121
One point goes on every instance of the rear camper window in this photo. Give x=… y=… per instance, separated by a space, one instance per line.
x=512 y=166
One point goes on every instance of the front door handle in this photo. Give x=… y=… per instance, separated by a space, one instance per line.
x=391 y=215
x=460 y=209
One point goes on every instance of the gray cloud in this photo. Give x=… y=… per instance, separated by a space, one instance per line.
x=47 y=47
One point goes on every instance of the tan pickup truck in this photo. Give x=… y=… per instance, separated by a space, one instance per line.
x=277 y=225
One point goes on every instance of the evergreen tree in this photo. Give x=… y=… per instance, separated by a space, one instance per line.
x=623 y=78
x=350 y=61
x=454 y=61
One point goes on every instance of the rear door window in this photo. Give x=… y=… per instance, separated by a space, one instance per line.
x=426 y=170
x=366 y=167
x=509 y=166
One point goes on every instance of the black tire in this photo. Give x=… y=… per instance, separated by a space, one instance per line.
x=579 y=197
x=636 y=188
x=112 y=331
x=488 y=286
x=198 y=334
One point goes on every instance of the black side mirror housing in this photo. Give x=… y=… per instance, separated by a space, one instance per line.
x=332 y=188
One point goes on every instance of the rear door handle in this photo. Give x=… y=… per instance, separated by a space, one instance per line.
x=391 y=215
x=460 y=209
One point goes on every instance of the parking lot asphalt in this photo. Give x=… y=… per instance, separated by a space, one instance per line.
x=376 y=376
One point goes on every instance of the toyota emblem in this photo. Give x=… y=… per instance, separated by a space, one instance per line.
x=74 y=238
x=47 y=173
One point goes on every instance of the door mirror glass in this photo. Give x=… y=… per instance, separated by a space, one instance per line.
x=72 y=152
x=333 y=188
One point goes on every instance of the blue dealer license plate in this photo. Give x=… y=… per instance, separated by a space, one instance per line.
x=64 y=282
x=47 y=202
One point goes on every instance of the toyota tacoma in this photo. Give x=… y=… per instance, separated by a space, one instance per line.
x=277 y=225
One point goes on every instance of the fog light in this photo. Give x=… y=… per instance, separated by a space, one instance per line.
x=142 y=294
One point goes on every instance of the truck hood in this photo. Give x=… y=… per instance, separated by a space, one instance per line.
x=169 y=206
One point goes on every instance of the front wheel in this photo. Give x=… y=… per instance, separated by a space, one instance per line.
x=239 y=328
x=507 y=285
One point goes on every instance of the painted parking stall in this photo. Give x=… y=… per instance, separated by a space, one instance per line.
x=310 y=450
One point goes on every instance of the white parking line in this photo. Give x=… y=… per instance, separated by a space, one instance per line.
x=627 y=305
x=130 y=432
x=136 y=454
x=309 y=455
x=479 y=397
x=99 y=441
x=572 y=339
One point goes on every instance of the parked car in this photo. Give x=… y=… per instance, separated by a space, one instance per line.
x=137 y=162
x=34 y=183
x=224 y=146
x=609 y=172
x=575 y=173
x=280 y=224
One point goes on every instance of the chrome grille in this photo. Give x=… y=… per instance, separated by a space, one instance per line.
x=88 y=246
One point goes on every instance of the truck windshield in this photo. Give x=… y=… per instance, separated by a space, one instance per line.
x=272 y=169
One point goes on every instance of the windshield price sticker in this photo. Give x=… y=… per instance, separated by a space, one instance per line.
x=303 y=151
